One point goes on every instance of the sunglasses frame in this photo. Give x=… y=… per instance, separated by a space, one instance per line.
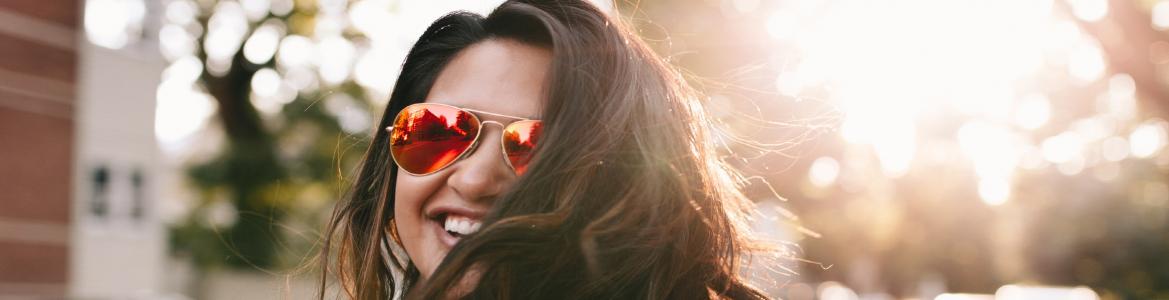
x=474 y=143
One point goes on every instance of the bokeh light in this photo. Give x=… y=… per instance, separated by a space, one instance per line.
x=114 y=23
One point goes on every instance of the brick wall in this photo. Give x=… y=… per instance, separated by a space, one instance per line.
x=38 y=66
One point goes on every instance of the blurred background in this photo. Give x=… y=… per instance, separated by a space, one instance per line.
x=901 y=149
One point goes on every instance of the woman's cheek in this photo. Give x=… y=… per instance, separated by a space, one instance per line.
x=410 y=197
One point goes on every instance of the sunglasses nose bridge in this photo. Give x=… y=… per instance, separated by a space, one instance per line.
x=479 y=138
x=503 y=128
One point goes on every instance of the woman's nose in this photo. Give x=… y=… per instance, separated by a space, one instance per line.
x=482 y=174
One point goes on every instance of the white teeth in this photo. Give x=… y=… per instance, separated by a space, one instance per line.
x=461 y=225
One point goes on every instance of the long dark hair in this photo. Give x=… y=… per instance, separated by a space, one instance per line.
x=625 y=197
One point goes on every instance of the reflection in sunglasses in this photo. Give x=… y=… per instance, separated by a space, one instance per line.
x=427 y=138
x=518 y=141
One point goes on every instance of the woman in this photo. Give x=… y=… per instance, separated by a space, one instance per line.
x=606 y=186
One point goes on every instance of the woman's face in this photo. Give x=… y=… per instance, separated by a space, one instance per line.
x=498 y=76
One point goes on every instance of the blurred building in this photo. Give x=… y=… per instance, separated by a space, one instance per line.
x=118 y=239
x=79 y=157
x=38 y=87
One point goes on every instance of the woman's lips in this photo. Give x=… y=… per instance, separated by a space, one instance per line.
x=452 y=220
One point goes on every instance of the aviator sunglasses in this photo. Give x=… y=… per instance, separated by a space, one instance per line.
x=427 y=137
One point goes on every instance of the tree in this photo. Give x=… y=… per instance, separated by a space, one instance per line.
x=278 y=169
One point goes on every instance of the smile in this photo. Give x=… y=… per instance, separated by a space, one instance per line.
x=458 y=226
x=452 y=223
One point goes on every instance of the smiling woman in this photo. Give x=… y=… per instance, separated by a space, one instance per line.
x=598 y=182
x=479 y=77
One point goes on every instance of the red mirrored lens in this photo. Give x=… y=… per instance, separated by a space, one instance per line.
x=519 y=139
x=428 y=137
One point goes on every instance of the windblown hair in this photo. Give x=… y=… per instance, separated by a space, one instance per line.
x=624 y=198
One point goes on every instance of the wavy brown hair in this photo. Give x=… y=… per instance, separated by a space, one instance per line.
x=625 y=197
